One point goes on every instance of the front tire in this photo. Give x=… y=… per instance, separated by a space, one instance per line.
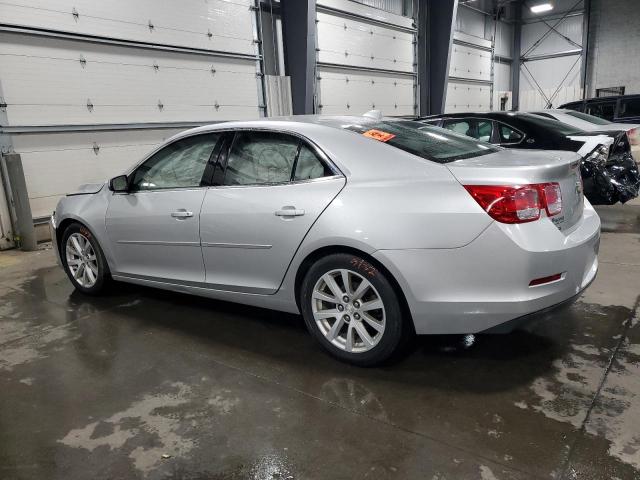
x=352 y=310
x=84 y=260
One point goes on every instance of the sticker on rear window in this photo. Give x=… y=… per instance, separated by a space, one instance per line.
x=379 y=135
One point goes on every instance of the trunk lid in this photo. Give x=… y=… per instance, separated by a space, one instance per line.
x=525 y=167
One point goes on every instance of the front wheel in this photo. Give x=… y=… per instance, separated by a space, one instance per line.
x=83 y=260
x=351 y=308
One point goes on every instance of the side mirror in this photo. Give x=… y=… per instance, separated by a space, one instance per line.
x=119 y=184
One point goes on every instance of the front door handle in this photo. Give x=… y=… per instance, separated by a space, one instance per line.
x=289 y=211
x=182 y=214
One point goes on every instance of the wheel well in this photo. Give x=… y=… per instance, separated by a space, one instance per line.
x=62 y=227
x=324 y=251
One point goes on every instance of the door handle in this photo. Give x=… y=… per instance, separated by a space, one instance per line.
x=289 y=211
x=182 y=214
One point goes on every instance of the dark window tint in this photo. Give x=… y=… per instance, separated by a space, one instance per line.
x=588 y=118
x=463 y=127
x=309 y=166
x=484 y=130
x=432 y=143
x=178 y=165
x=261 y=157
x=508 y=134
x=549 y=124
x=630 y=107
x=606 y=110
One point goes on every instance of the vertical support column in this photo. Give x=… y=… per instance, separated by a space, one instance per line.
x=515 y=54
x=23 y=218
x=586 y=19
x=436 y=24
x=299 y=42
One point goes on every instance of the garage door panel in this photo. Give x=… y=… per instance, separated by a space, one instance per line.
x=464 y=97
x=350 y=42
x=57 y=163
x=469 y=62
x=346 y=91
x=123 y=84
x=214 y=25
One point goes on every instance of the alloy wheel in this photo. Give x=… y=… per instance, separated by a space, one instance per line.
x=348 y=310
x=82 y=260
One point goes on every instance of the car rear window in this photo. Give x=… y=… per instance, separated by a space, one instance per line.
x=431 y=143
x=588 y=118
x=553 y=125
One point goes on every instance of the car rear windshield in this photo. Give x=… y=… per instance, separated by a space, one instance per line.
x=431 y=143
x=588 y=118
x=553 y=125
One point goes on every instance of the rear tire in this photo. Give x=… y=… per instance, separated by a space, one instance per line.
x=352 y=310
x=84 y=260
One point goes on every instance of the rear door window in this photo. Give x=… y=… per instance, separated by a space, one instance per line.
x=630 y=108
x=508 y=134
x=485 y=128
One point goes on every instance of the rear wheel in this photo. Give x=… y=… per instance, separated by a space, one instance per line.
x=351 y=308
x=83 y=260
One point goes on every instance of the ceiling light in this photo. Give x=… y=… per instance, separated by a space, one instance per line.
x=541 y=7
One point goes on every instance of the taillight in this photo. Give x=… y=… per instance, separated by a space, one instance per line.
x=552 y=198
x=634 y=136
x=517 y=204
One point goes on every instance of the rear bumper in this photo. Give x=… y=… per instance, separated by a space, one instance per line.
x=485 y=284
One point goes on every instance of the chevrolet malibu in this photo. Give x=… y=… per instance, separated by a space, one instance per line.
x=372 y=229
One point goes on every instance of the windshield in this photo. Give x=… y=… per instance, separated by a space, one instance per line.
x=431 y=143
x=554 y=125
x=589 y=118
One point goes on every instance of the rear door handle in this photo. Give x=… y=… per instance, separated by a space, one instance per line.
x=289 y=211
x=182 y=214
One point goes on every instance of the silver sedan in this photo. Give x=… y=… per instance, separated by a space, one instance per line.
x=372 y=229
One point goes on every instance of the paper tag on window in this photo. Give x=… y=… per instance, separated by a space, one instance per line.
x=379 y=135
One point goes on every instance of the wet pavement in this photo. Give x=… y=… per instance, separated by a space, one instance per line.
x=151 y=384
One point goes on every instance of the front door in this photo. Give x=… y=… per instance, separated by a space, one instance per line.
x=154 y=229
x=274 y=188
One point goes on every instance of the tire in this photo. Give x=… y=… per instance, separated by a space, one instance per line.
x=338 y=326
x=94 y=277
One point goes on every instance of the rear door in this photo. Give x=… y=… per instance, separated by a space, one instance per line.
x=273 y=188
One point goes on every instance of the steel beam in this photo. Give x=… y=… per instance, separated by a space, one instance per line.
x=299 y=42
x=516 y=50
x=585 y=47
x=26 y=234
x=547 y=56
x=436 y=24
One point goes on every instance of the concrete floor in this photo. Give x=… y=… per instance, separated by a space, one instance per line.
x=149 y=384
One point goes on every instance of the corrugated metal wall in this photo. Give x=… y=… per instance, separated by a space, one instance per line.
x=615 y=37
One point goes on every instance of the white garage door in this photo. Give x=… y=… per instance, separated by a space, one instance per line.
x=366 y=60
x=469 y=86
x=144 y=67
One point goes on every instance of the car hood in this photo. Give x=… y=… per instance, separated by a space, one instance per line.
x=88 y=189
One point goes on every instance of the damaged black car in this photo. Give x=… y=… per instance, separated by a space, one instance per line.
x=609 y=172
